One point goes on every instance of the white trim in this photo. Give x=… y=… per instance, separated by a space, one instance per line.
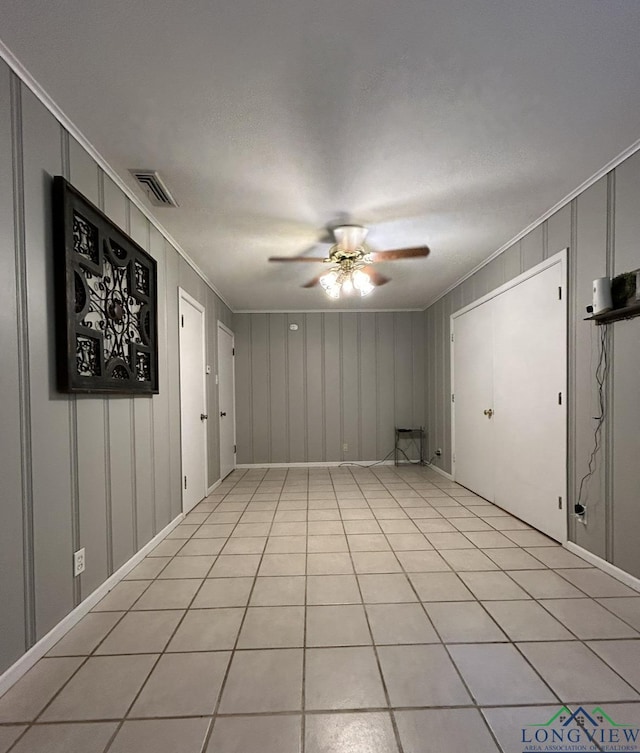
x=184 y=296
x=332 y=464
x=232 y=335
x=615 y=162
x=616 y=572
x=328 y=311
x=213 y=487
x=29 y=81
x=36 y=652
x=440 y=471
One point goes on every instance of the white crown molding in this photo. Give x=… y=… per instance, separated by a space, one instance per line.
x=625 y=154
x=330 y=311
x=30 y=82
x=36 y=652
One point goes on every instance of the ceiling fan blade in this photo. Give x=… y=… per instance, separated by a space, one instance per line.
x=312 y=283
x=376 y=278
x=400 y=253
x=295 y=258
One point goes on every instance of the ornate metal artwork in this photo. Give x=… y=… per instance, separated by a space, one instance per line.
x=106 y=301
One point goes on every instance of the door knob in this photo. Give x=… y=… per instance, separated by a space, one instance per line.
x=203 y=416
x=222 y=413
x=488 y=413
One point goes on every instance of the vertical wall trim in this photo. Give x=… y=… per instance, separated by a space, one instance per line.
x=376 y=329
x=152 y=431
x=269 y=414
x=285 y=324
x=571 y=367
x=341 y=377
x=322 y=382
x=24 y=379
x=305 y=413
x=250 y=366
x=359 y=373
x=609 y=480
x=65 y=161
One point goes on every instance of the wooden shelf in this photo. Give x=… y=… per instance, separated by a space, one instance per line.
x=628 y=312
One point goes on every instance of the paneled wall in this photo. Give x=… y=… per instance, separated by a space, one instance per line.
x=76 y=471
x=339 y=379
x=601 y=228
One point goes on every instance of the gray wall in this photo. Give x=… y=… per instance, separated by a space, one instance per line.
x=341 y=378
x=601 y=228
x=93 y=472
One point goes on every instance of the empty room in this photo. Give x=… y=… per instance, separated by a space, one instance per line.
x=320 y=405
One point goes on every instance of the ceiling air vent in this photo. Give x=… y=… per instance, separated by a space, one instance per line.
x=153 y=185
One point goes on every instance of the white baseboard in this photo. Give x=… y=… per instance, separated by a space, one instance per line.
x=213 y=487
x=616 y=572
x=36 y=652
x=326 y=464
x=440 y=471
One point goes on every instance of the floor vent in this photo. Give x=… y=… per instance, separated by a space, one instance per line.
x=153 y=185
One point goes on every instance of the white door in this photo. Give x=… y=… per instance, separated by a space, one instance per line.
x=226 y=400
x=529 y=382
x=193 y=401
x=473 y=396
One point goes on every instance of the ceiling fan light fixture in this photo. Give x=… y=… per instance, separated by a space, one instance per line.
x=362 y=282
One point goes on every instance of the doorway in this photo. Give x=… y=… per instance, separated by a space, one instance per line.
x=193 y=400
x=226 y=399
x=509 y=367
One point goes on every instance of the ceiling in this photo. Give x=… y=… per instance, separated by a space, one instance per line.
x=454 y=123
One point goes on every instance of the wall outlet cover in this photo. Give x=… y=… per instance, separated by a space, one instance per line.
x=78 y=562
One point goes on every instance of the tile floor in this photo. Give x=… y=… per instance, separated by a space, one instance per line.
x=336 y=610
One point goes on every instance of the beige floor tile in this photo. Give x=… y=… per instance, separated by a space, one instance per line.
x=386 y=588
x=596 y=583
x=161 y=736
x=286 y=545
x=168 y=594
x=223 y=592
x=290 y=516
x=122 y=596
x=187 y=567
x=575 y=673
x=496 y=674
x=443 y=541
x=463 y=622
x=508 y=723
x=337 y=625
x=235 y=566
x=149 y=568
x=627 y=609
x=183 y=531
x=440 y=587
x=333 y=589
x=423 y=562
x=467 y=560
x=278 y=591
x=207 y=630
x=350 y=733
x=167 y=548
x=622 y=656
x=273 y=627
x=141 y=633
x=182 y=684
x=9 y=734
x=493 y=586
x=376 y=562
x=283 y=564
x=249 y=545
x=342 y=678
x=331 y=563
x=256 y=734
x=82 y=639
x=429 y=525
x=490 y=539
x=26 y=699
x=545 y=584
x=530 y=538
x=329 y=543
x=425 y=513
x=471 y=524
x=198 y=547
x=263 y=681
x=407 y=542
x=398 y=526
x=437 y=730
x=373 y=542
x=220 y=518
x=421 y=676
x=67 y=738
x=322 y=527
x=587 y=619
x=400 y=623
x=555 y=556
x=514 y=559
x=362 y=527
x=526 y=621
x=103 y=688
x=208 y=531
x=257 y=516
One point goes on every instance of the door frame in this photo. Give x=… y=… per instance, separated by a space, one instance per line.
x=184 y=296
x=222 y=326
x=560 y=257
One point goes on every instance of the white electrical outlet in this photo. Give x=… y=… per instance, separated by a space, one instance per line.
x=345 y=447
x=78 y=562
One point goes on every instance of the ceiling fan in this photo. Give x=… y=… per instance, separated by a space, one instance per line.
x=350 y=258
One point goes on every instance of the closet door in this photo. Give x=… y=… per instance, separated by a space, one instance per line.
x=529 y=378
x=474 y=459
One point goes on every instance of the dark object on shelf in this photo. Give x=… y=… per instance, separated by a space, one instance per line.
x=106 y=301
x=616 y=315
x=411 y=434
x=623 y=290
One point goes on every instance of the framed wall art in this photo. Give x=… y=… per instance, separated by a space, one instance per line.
x=106 y=301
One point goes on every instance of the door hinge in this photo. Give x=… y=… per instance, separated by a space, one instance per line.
x=453 y=398
x=185 y=482
x=560 y=293
x=234 y=449
x=452 y=337
x=559 y=503
x=182 y=320
x=233 y=351
x=559 y=398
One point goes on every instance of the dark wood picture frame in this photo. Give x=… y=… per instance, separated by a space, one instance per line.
x=106 y=301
